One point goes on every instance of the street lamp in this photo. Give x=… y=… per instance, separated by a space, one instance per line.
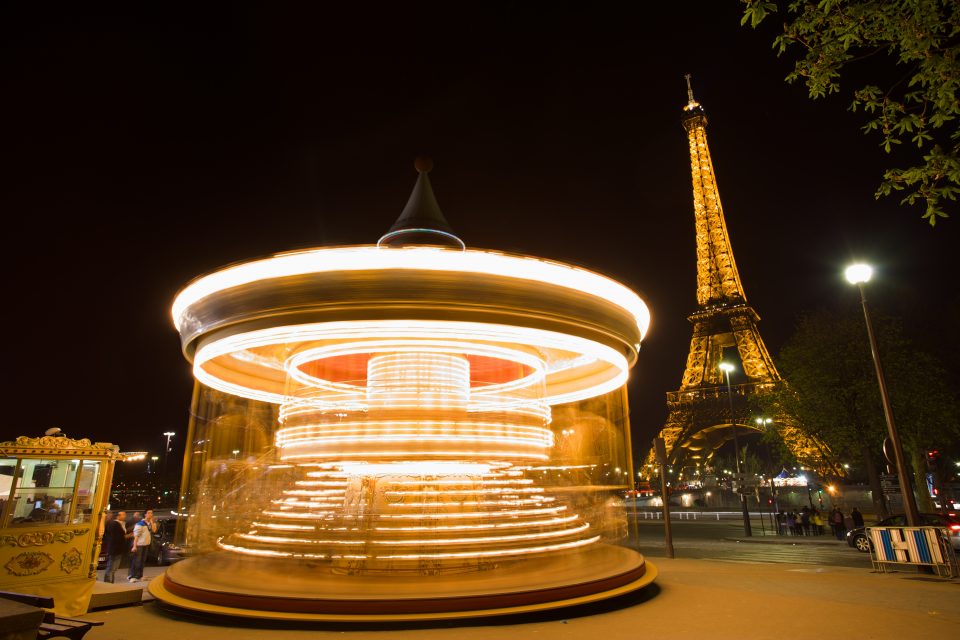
x=859 y=274
x=764 y=423
x=726 y=367
x=166 y=452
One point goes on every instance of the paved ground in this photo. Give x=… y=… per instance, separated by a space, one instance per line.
x=725 y=541
x=720 y=598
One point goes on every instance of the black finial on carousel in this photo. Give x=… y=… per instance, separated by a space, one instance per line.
x=421 y=222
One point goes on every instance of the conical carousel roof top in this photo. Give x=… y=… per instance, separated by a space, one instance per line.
x=421 y=222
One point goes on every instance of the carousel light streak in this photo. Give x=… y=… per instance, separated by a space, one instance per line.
x=308 y=541
x=451 y=492
x=283 y=527
x=499 y=552
x=271 y=553
x=419 y=468
x=445 y=347
x=319 y=497
x=425 y=453
x=486 y=525
x=442 y=482
x=416 y=542
x=300 y=515
x=362 y=432
x=475 y=503
x=291 y=434
x=308 y=503
x=486 y=539
x=566 y=353
x=423 y=437
x=472 y=514
x=369 y=258
x=560 y=468
x=304 y=503
x=412 y=556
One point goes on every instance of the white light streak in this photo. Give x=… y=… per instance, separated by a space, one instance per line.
x=417 y=468
x=369 y=258
x=603 y=369
x=486 y=539
x=499 y=552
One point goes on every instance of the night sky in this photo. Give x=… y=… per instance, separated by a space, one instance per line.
x=143 y=147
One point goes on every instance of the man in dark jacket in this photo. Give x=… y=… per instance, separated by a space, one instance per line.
x=115 y=543
x=857 y=517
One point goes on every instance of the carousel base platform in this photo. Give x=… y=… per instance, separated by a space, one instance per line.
x=232 y=585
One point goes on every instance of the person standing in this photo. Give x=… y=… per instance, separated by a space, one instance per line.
x=142 y=536
x=816 y=522
x=838 y=520
x=130 y=524
x=792 y=523
x=114 y=544
x=137 y=517
x=857 y=517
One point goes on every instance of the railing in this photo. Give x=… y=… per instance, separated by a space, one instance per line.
x=689 y=515
x=922 y=546
x=719 y=392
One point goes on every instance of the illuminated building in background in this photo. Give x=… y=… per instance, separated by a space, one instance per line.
x=411 y=428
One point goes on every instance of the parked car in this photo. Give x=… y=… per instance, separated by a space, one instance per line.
x=163 y=548
x=857 y=538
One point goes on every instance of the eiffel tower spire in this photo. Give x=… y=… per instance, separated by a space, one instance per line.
x=718 y=282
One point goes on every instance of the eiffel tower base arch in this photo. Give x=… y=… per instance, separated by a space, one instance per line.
x=700 y=422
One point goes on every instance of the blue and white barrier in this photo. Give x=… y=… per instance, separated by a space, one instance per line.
x=922 y=546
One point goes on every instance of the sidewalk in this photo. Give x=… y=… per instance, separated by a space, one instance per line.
x=825 y=540
x=726 y=600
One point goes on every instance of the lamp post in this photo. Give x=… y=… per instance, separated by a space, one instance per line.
x=859 y=274
x=166 y=451
x=764 y=424
x=726 y=367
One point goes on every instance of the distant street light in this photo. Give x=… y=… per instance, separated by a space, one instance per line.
x=166 y=452
x=859 y=274
x=726 y=367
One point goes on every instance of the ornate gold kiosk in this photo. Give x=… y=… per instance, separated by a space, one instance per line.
x=53 y=492
x=407 y=430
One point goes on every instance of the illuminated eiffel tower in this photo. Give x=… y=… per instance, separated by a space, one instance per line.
x=701 y=417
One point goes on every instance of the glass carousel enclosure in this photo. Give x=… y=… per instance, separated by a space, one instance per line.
x=406 y=430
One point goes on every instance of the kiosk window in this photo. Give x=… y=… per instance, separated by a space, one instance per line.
x=43 y=492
